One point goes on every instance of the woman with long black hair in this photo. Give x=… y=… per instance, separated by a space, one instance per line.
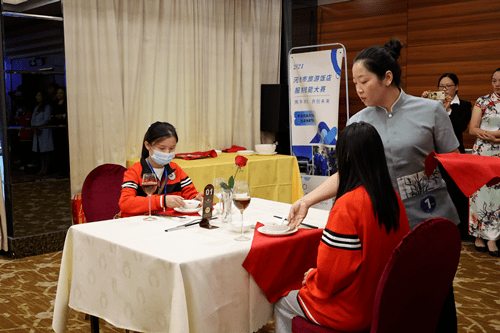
x=366 y=223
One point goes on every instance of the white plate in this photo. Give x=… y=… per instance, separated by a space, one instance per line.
x=262 y=230
x=274 y=152
x=245 y=152
x=187 y=211
x=236 y=226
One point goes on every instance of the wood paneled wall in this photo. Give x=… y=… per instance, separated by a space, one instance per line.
x=449 y=36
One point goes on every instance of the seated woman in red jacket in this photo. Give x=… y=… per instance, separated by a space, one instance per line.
x=366 y=223
x=158 y=151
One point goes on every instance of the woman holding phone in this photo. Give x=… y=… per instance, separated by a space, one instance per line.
x=459 y=112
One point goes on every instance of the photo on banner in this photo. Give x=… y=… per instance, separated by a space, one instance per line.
x=314 y=112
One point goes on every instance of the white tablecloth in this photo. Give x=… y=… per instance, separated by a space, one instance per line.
x=135 y=275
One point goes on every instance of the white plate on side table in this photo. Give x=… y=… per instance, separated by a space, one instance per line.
x=245 y=152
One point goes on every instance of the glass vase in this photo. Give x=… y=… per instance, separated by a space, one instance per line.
x=227 y=205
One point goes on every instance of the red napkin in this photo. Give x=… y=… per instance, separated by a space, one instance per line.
x=470 y=172
x=278 y=264
x=233 y=149
x=197 y=155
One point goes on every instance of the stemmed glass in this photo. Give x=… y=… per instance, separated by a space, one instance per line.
x=241 y=199
x=217 y=190
x=149 y=185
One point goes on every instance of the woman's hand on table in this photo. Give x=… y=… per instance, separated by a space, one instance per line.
x=174 y=201
x=297 y=213
x=305 y=276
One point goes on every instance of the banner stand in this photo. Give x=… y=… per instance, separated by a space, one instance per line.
x=314 y=87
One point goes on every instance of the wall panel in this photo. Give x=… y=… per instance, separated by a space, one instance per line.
x=357 y=25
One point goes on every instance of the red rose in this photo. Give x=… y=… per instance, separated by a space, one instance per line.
x=240 y=161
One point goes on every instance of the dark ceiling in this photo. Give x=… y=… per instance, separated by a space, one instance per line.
x=28 y=37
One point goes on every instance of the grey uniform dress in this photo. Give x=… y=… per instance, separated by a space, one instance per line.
x=415 y=127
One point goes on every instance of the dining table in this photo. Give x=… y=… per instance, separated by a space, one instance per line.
x=136 y=275
x=269 y=176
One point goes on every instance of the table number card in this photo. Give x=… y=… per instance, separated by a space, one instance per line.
x=208 y=203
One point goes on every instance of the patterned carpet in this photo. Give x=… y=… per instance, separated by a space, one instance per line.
x=40 y=207
x=28 y=287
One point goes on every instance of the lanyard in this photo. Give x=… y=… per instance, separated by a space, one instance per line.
x=159 y=180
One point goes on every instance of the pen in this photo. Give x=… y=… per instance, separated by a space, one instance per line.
x=188 y=224
x=309 y=226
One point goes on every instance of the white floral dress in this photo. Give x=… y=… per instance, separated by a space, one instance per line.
x=484 y=217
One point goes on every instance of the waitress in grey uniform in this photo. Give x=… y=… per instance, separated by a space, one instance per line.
x=410 y=128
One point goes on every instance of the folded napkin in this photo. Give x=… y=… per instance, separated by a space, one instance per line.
x=470 y=172
x=233 y=149
x=197 y=155
x=278 y=264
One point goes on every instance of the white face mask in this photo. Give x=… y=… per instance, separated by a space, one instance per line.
x=162 y=158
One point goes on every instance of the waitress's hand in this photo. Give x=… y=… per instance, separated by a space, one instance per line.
x=305 y=276
x=174 y=201
x=297 y=213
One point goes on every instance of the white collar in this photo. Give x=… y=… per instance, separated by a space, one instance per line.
x=455 y=100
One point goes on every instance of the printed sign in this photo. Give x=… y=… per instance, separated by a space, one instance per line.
x=314 y=102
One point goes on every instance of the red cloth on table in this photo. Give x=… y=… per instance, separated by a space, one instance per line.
x=197 y=155
x=470 y=172
x=233 y=149
x=278 y=264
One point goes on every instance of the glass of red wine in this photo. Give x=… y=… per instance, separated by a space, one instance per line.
x=241 y=199
x=149 y=185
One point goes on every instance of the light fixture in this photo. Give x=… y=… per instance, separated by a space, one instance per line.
x=14 y=2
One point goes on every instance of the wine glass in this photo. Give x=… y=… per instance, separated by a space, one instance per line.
x=217 y=190
x=149 y=185
x=241 y=199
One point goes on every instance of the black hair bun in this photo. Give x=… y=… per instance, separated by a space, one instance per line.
x=394 y=47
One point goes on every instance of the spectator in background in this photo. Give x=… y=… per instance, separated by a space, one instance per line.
x=484 y=204
x=59 y=117
x=42 y=139
x=460 y=113
x=52 y=92
x=23 y=118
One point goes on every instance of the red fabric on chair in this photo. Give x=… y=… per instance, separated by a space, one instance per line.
x=283 y=271
x=415 y=281
x=470 y=172
x=101 y=192
x=302 y=325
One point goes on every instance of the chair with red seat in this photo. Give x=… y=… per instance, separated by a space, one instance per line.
x=101 y=192
x=414 y=283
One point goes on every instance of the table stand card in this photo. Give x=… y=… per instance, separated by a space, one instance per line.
x=208 y=203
